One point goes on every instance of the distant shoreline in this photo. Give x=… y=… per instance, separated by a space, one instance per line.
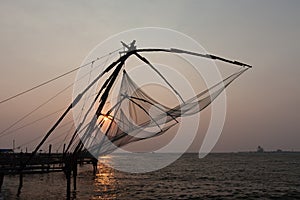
x=270 y=152
x=238 y=152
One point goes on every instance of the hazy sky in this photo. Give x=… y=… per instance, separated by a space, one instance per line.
x=42 y=39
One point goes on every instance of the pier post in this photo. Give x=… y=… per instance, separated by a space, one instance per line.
x=94 y=162
x=74 y=174
x=68 y=176
x=49 y=157
x=1 y=180
x=64 y=148
x=20 y=183
x=21 y=175
x=68 y=171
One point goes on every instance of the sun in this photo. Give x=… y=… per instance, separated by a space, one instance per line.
x=104 y=120
x=105 y=117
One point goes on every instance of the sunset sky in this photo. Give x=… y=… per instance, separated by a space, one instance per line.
x=42 y=39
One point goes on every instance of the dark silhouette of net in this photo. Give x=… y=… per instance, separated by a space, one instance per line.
x=136 y=116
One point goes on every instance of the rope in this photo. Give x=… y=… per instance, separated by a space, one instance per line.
x=55 y=78
x=32 y=122
x=49 y=100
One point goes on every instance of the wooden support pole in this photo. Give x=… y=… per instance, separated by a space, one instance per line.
x=20 y=183
x=94 y=162
x=68 y=176
x=21 y=175
x=50 y=147
x=49 y=157
x=74 y=174
x=68 y=171
x=1 y=180
x=64 y=148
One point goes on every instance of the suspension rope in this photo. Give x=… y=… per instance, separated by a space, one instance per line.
x=40 y=136
x=49 y=100
x=35 y=109
x=55 y=78
x=32 y=122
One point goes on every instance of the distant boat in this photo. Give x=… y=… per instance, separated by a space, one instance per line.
x=260 y=149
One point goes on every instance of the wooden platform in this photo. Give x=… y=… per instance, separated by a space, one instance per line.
x=10 y=163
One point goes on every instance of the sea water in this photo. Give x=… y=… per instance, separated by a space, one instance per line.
x=217 y=176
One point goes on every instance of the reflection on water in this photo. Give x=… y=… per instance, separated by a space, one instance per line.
x=105 y=181
x=141 y=162
x=218 y=176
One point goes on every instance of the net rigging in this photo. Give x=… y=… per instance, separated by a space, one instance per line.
x=111 y=129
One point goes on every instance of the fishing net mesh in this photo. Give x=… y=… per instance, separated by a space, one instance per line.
x=136 y=116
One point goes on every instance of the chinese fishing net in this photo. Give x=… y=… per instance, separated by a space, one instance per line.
x=136 y=116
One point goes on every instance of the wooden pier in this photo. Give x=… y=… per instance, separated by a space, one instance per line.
x=24 y=163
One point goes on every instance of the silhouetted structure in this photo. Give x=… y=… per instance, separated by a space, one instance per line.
x=260 y=149
x=119 y=129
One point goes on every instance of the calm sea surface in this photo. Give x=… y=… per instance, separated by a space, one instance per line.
x=217 y=176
